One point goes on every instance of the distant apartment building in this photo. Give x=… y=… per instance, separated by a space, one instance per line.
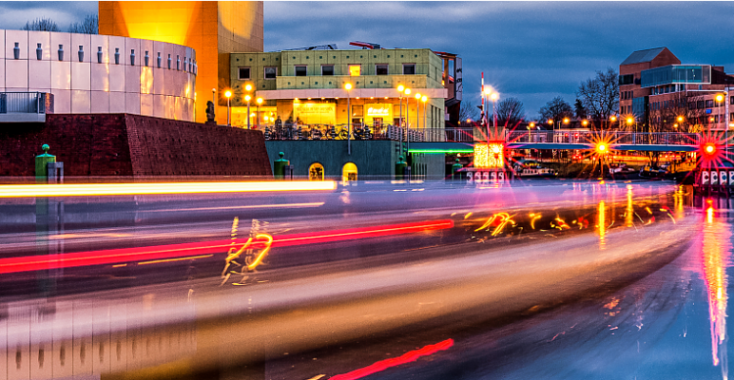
x=659 y=93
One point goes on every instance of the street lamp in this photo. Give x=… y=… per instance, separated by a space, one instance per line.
x=228 y=94
x=584 y=122
x=401 y=88
x=247 y=99
x=485 y=100
x=259 y=102
x=425 y=119
x=348 y=87
x=417 y=110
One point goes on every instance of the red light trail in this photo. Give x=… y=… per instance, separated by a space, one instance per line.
x=407 y=357
x=162 y=252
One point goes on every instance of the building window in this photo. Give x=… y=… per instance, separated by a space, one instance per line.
x=380 y=69
x=271 y=72
x=408 y=68
x=731 y=100
x=300 y=71
x=355 y=70
x=709 y=104
x=316 y=172
x=244 y=73
x=327 y=70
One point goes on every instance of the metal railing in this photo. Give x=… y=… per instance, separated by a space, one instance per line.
x=23 y=102
x=588 y=137
x=318 y=132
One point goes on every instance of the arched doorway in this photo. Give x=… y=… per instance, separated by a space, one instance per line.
x=316 y=172
x=349 y=172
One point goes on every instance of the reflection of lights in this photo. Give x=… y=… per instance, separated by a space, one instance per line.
x=407 y=357
x=78 y=190
x=601 y=224
x=628 y=215
x=716 y=245
x=533 y=218
x=160 y=252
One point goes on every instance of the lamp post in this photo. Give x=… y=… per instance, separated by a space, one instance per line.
x=348 y=87
x=417 y=110
x=247 y=99
x=214 y=98
x=401 y=88
x=407 y=124
x=424 y=99
x=228 y=94
x=259 y=102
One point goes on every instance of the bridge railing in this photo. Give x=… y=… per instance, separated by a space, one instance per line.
x=587 y=137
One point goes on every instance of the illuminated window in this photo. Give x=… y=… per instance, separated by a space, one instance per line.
x=327 y=70
x=244 y=73
x=381 y=69
x=301 y=71
x=271 y=72
x=316 y=172
x=408 y=68
x=349 y=172
x=355 y=70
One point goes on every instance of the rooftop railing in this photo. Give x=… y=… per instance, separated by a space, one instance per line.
x=23 y=102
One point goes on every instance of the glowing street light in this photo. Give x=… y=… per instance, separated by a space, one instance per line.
x=259 y=102
x=228 y=94
x=247 y=99
x=348 y=87
x=550 y=121
x=584 y=122
x=566 y=120
x=424 y=99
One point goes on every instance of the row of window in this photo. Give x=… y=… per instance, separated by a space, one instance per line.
x=626 y=95
x=271 y=72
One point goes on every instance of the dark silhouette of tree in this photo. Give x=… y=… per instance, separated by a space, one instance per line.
x=41 y=25
x=579 y=109
x=90 y=25
x=600 y=96
x=556 y=109
x=468 y=111
x=682 y=112
x=510 y=112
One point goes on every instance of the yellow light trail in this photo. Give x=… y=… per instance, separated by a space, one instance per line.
x=80 y=190
x=602 y=225
x=172 y=260
x=716 y=245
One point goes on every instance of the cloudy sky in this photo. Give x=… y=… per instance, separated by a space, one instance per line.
x=530 y=50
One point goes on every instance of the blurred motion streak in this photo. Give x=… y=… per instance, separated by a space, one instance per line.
x=408 y=357
x=268 y=206
x=160 y=252
x=499 y=221
x=80 y=190
x=716 y=244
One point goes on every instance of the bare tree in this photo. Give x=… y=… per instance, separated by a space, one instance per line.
x=600 y=95
x=41 y=25
x=468 y=111
x=90 y=25
x=556 y=109
x=510 y=112
x=683 y=112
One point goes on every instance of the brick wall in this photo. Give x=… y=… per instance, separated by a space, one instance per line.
x=132 y=145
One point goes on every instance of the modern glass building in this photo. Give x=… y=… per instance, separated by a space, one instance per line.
x=676 y=74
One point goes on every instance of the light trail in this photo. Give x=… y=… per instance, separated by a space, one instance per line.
x=716 y=244
x=407 y=357
x=267 y=206
x=81 y=190
x=164 y=252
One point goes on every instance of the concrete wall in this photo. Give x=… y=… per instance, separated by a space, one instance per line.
x=131 y=145
x=374 y=159
x=84 y=86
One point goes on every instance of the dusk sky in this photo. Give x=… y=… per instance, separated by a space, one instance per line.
x=529 y=50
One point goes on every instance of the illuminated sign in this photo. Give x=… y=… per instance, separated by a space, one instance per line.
x=378 y=110
x=489 y=155
x=315 y=113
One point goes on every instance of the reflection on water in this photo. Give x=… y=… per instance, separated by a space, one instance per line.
x=715 y=250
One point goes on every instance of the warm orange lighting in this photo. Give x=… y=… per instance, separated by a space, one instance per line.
x=407 y=91
x=601 y=148
x=418 y=95
x=488 y=91
x=494 y=96
x=228 y=94
x=80 y=190
x=532 y=125
x=355 y=70
x=489 y=156
x=613 y=118
x=401 y=88
x=630 y=120
x=680 y=119
x=247 y=98
x=566 y=120
x=584 y=122
x=259 y=101
x=248 y=87
x=709 y=148
x=348 y=86
x=719 y=98
x=424 y=99
x=550 y=121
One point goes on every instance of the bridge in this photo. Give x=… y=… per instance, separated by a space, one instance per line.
x=462 y=141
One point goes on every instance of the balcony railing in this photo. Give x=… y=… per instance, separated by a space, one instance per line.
x=588 y=137
x=23 y=102
x=317 y=132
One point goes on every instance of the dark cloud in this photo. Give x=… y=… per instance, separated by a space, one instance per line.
x=530 y=50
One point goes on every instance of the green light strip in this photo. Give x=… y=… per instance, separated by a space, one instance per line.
x=441 y=151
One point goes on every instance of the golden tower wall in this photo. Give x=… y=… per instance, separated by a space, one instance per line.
x=214 y=29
